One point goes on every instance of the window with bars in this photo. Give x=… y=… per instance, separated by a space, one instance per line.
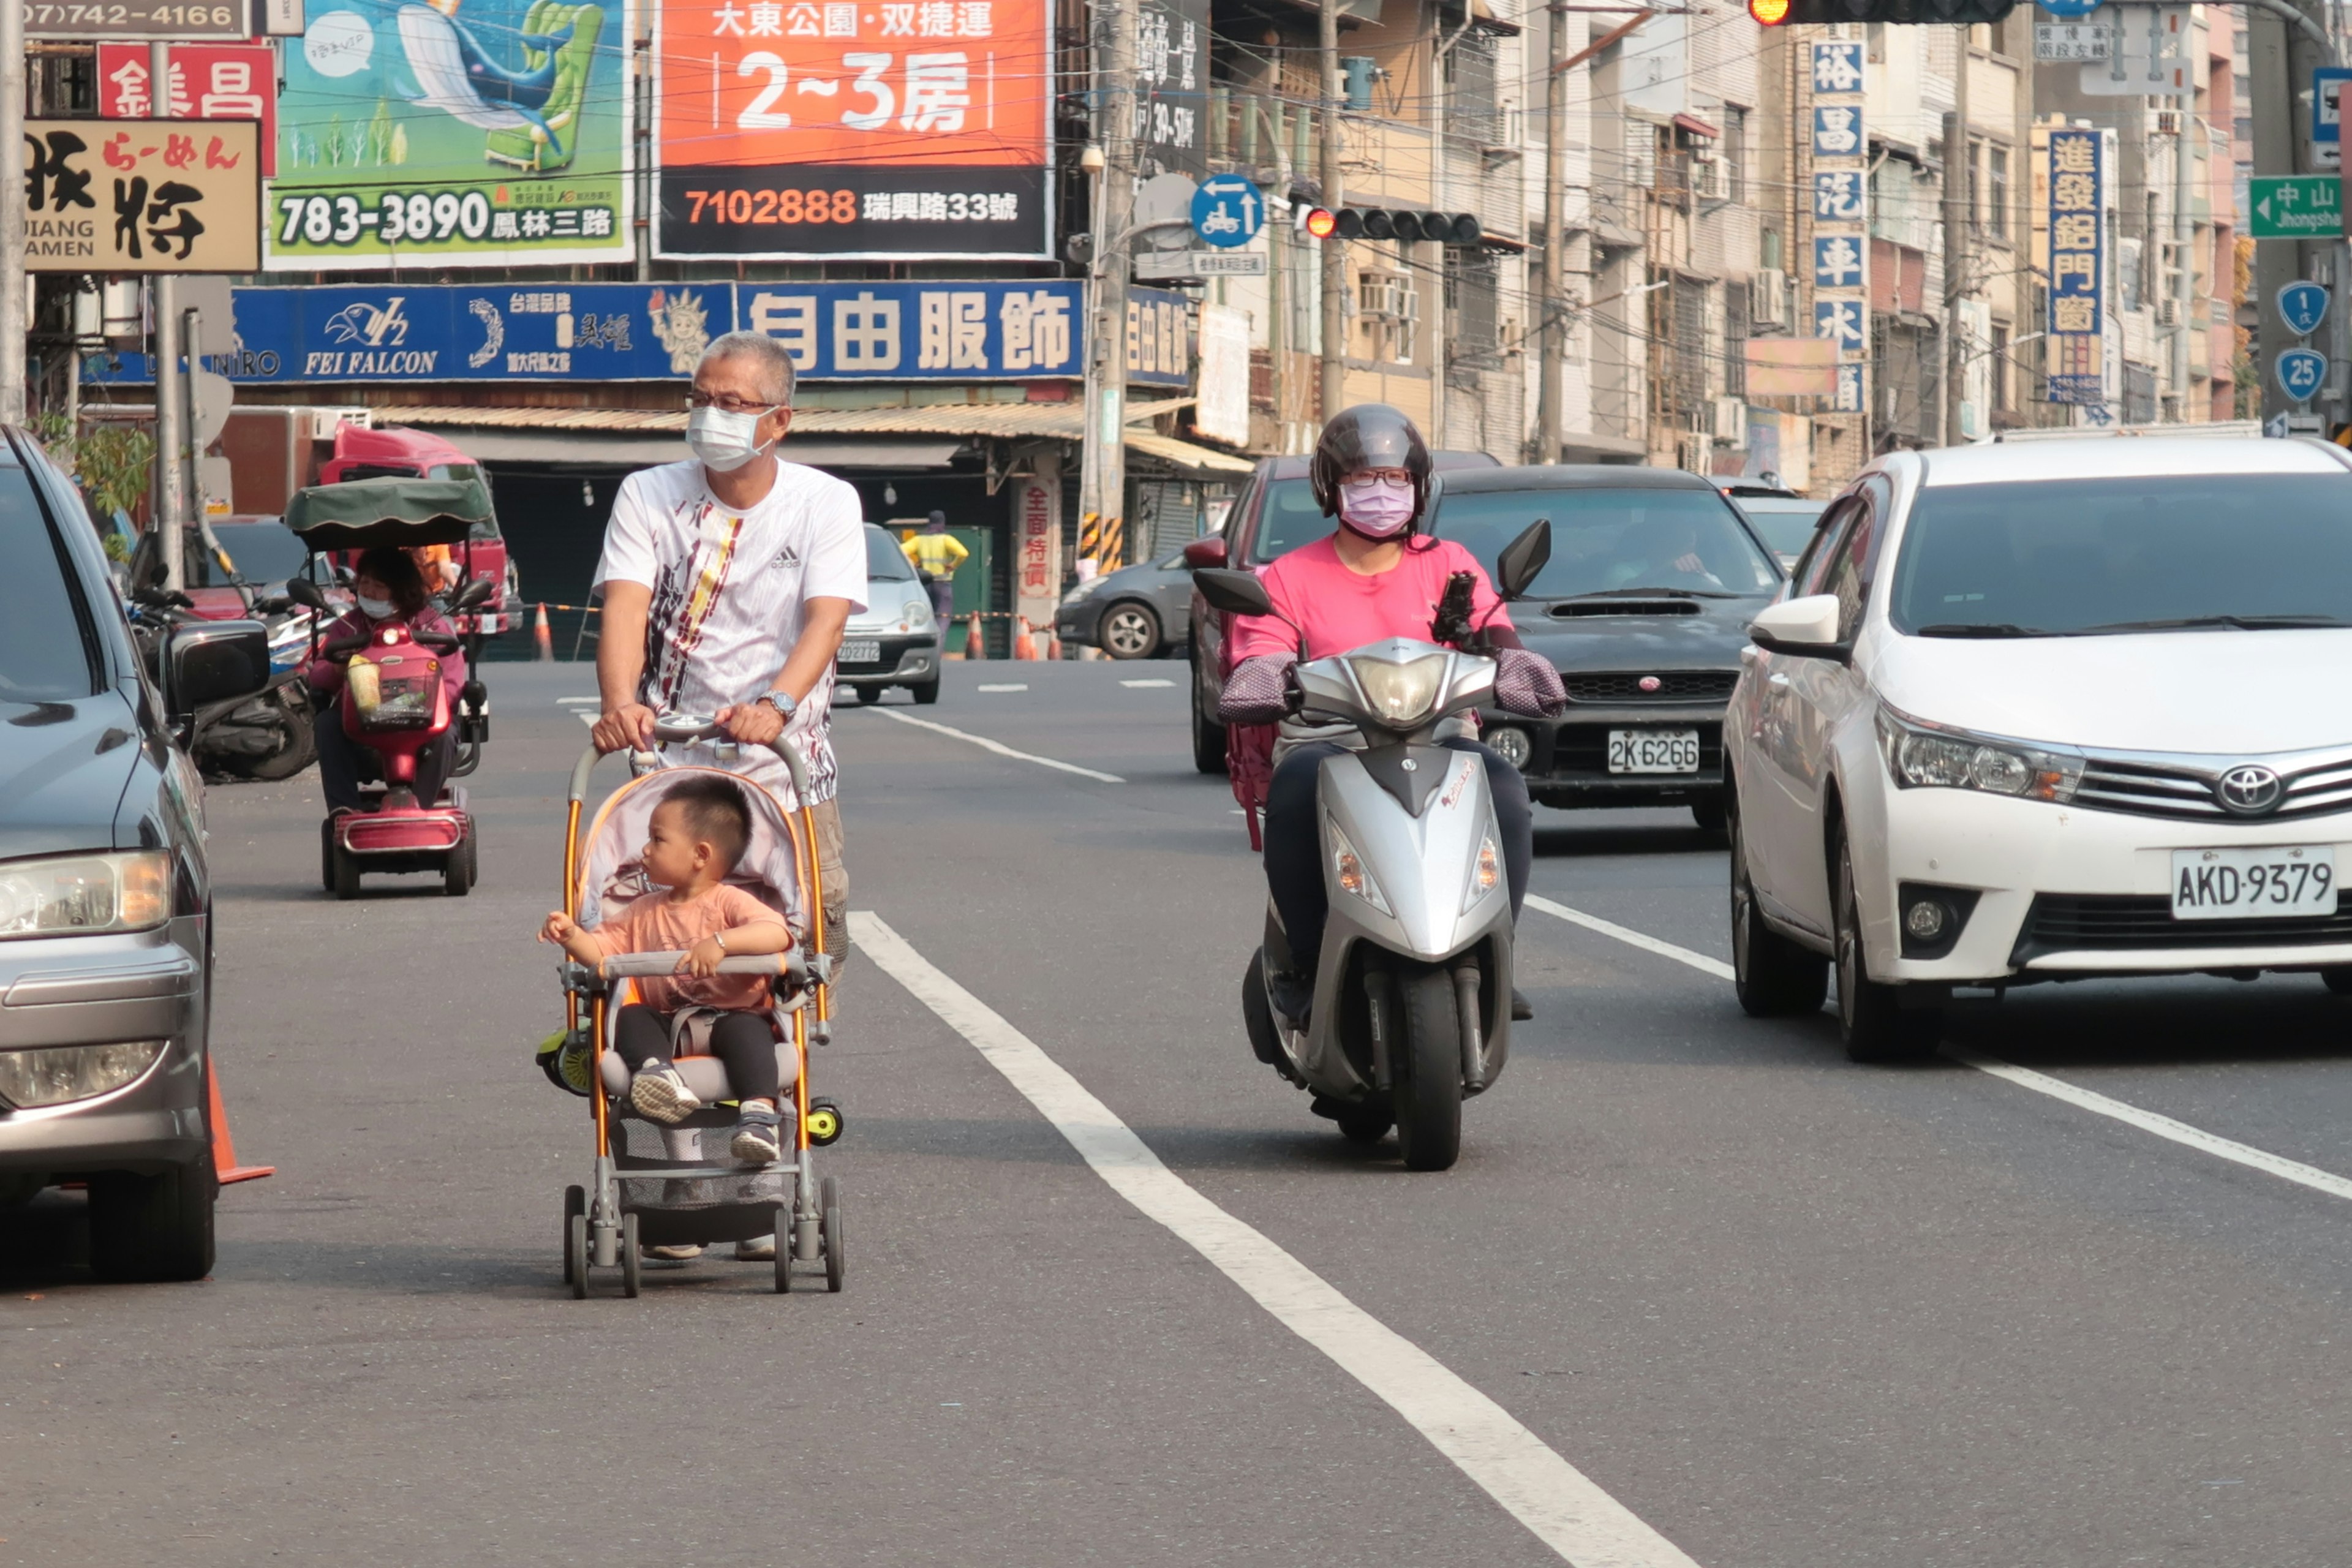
x=1474 y=103
x=1689 y=372
x=1473 y=301
x=1734 y=340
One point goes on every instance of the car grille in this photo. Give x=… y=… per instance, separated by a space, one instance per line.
x=2068 y=922
x=1674 y=686
x=2181 y=789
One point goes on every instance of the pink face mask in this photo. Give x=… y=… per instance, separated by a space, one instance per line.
x=1377 y=508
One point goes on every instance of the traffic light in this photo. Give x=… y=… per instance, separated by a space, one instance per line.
x=1957 y=13
x=1392 y=223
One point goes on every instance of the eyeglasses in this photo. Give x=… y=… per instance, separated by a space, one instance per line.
x=727 y=402
x=1379 y=475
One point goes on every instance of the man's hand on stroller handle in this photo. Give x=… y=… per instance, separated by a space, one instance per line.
x=629 y=726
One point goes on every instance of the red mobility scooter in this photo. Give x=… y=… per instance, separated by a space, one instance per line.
x=394 y=701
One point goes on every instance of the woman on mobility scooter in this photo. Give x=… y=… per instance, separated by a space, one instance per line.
x=388 y=587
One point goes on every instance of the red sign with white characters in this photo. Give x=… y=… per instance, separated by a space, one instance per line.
x=208 y=81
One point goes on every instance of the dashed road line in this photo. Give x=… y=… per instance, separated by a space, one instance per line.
x=999 y=747
x=1555 y=1500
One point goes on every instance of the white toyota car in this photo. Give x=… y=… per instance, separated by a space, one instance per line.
x=2043 y=710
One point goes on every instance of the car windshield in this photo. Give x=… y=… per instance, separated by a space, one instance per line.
x=1626 y=541
x=885 y=562
x=2185 y=552
x=43 y=654
x=1289 y=519
x=1785 y=521
x=257 y=552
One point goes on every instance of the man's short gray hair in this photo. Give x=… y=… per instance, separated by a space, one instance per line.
x=774 y=362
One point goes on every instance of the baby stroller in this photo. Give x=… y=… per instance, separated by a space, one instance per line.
x=653 y=1186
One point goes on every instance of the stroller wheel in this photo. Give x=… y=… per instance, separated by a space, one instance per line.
x=575 y=1253
x=575 y=1204
x=631 y=1256
x=829 y=1220
x=784 y=1250
x=825 y=1122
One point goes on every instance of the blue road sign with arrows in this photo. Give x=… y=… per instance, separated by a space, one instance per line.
x=2300 y=372
x=2069 y=7
x=1228 y=210
x=2302 y=306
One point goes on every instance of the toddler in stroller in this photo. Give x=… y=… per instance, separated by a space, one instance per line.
x=694 y=840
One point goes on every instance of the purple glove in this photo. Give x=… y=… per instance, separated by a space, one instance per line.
x=1526 y=683
x=1258 y=691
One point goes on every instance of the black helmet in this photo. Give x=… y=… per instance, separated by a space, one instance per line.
x=1369 y=436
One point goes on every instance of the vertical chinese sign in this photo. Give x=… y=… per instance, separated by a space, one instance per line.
x=1037 y=543
x=2076 y=222
x=844 y=129
x=1172 y=78
x=208 y=81
x=1840 y=259
x=457 y=134
x=166 y=195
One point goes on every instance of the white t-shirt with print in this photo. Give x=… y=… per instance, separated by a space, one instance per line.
x=729 y=589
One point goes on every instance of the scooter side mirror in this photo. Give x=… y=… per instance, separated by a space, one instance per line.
x=473 y=595
x=1234 y=592
x=154 y=573
x=304 y=592
x=213 y=661
x=1524 y=559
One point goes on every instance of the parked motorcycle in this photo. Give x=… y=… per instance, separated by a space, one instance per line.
x=265 y=735
x=1412 y=1011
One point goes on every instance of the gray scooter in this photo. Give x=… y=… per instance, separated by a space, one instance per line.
x=1412 y=1011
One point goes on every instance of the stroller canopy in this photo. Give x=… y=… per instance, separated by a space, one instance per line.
x=610 y=876
x=359 y=514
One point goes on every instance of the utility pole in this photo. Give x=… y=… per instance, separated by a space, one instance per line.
x=1959 y=212
x=1335 y=249
x=1551 y=311
x=1103 y=479
x=2184 y=253
x=14 y=280
x=167 y=510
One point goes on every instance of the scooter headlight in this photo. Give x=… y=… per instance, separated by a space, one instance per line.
x=1348 y=868
x=1399 y=694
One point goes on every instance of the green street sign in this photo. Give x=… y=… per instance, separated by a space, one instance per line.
x=2296 y=206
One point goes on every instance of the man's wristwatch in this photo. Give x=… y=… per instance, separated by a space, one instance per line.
x=782 y=701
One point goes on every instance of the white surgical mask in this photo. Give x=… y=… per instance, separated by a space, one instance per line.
x=375 y=609
x=722 y=440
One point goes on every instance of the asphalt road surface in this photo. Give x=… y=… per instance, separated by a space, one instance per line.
x=1699 y=1290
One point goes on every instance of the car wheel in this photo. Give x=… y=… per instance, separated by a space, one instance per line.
x=1128 y=630
x=1871 y=1021
x=2337 y=981
x=1710 y=813
x=1208 y=735
x=924 y=691
x=153 y=1228
x=1773 y=976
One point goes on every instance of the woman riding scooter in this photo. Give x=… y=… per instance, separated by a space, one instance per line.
x=389 y=588
x=1375 y=577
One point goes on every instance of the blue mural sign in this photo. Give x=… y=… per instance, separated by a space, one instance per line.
x=1031 y=329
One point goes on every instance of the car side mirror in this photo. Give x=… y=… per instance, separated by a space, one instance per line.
x=1806 y=627
x=1234 y=592
x=306 y=593
x=1523 y=559
x=154 y=573
x=216 y=661
x=1209 y=551
x=473 y=595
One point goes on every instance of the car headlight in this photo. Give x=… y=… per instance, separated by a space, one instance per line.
x=80 y=895
x=1933 y=756
x=1086 y=589
x=1400 y=693
x=1348 y=868
x=917 y=617
x=53 y=1075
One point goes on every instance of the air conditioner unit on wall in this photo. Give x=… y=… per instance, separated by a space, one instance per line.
x=1731 y=422
x=2167 y=313
x=1768 y=300
x=1694 y=452
x=1710 y=178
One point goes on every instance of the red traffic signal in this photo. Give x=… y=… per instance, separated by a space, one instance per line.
x=1404 y=225
x=1320 y=222
x=1768 y=12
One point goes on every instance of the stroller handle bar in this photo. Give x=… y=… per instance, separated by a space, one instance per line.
x=793 y=965
x=688 y=727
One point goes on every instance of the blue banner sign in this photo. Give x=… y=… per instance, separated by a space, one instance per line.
x=2077 y=320
x=1032 y=329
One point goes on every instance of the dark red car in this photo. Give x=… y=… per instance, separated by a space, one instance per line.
x=403 y=454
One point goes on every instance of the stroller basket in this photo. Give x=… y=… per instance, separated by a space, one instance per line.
x=641 y=1145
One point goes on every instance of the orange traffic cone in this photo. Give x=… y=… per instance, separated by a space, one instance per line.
x=1025 y=645
x=975 y=646
x=1053 y=643
x=225 y=1164
x=541 y=639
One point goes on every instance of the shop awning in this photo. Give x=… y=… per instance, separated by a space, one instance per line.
x=1202 y=462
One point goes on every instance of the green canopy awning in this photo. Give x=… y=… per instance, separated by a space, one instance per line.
x=359 y=514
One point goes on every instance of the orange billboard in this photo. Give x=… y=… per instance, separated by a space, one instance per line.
x=843 y=129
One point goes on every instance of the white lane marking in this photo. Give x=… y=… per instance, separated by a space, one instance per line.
x=999 y=747
x=2164 y=1127
x=1140 y=685
x=1004 y=686
x=580 y=701
x=1552 y=1498
x=2179 y=1132
x=1633 y=937
x=587 y=719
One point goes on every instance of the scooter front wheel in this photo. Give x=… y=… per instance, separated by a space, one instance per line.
x=1258 y=1013
x=1428 y=1094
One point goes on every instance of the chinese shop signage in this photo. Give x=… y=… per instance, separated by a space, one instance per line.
x=157 y=196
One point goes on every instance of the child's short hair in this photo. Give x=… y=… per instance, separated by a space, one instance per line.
x=715 y=813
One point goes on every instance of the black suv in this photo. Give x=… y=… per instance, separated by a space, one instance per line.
x=105 y=904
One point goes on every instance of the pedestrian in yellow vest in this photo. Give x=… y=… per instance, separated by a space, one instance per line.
x=936 y=553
